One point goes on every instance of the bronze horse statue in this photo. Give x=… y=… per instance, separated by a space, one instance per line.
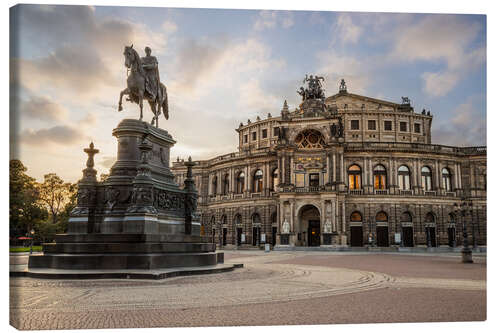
x=136 y=87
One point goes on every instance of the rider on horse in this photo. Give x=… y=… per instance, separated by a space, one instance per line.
x=150 y=66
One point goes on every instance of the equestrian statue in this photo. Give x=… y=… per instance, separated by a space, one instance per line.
x=143 y=82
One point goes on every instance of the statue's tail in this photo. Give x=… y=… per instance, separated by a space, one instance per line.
x=165 y=102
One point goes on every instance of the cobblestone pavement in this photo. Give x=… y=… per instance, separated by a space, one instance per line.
x=272 y=288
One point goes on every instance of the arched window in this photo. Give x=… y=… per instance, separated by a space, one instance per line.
x=257 y=181
x=429 y=218
x=426 y=175
x=404 y=177
x=255 y=218
x=354 y=173
x=274 y=218
x=310 y=139
x=379 y=177
x=406 y=217
x=214 y=185
x=225 y=185
x=452 y=218
x=446 y=176
x=237 y=219
x=381 y=217
x=240 y=182
x=275 y=180
x=223 y=219
x=356 y=217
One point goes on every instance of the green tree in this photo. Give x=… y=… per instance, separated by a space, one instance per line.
x=24 y=207
x=68 y=207
x=55 y=194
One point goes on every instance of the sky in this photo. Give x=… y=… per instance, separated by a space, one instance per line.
x=222 y=67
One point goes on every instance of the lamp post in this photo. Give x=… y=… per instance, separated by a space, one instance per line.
x=32 y=232
x=462 y=208
x=474 y=243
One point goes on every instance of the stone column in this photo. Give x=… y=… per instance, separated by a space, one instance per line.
x=342 y=170
x=437 y=185
x=334 y=167
x=343 y=218
x=415 y=182
x=333 y=215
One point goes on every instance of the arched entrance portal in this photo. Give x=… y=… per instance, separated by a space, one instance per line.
x=309 y=230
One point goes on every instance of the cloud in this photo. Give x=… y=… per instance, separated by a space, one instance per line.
x=197 y=59
x=467 y=126
x=61 y=135
x=90 y=119
x=40 y=107
x=335 y=66
x=107 y=161
x=439 y=83
x=440 y=38
x=81 y=47
x=269 y=19
x=253 y=98
x=345 y=30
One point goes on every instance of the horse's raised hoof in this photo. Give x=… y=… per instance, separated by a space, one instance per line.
x=120 y=108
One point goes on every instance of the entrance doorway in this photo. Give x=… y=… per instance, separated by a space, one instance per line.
x=309 y=218
x=256 y=236
x=407 y=236
x=452 y=240
x=238 y=236
x=382 y=236
x=356 y=236
x=430 y=234
x=275 y=231
x=224 y=237
x=313 y=233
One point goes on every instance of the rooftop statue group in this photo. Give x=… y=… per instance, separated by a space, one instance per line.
x=143 y=82
x=314 y=89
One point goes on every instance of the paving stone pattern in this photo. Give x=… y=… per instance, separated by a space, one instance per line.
x=269 y=290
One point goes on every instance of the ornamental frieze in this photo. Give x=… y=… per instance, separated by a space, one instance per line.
x=169 y=200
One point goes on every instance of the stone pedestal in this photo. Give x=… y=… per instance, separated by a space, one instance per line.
x=138 y=218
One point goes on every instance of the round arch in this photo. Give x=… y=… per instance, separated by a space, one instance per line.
x=310 y=139
x=309 y=225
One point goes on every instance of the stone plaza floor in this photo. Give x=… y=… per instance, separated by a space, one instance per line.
x=275 y=288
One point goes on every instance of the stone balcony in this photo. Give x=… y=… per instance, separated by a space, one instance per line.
x=367 y=191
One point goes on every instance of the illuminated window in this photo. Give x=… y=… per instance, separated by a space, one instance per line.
x=354 y=173
x=356 y=217
x=257 y=181
x=426 y=178
x=275 y=180
x=379 y=177
x=404 y=177
x=446 y=176
x=381 y=217
x=240 y=182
